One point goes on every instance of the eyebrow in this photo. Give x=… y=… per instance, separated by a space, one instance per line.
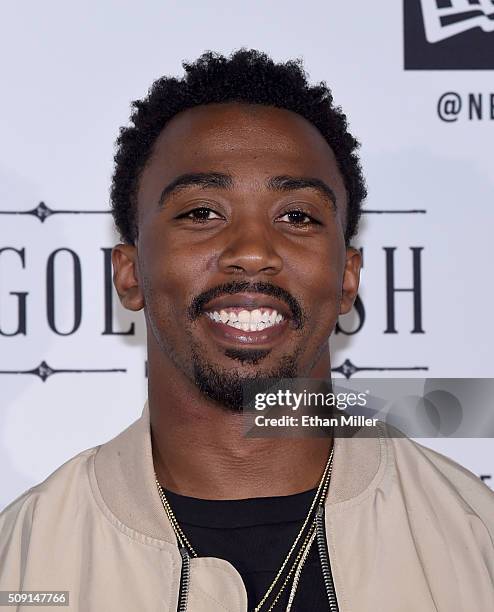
x=195 y=179
x=282 y=183
x=292 y=183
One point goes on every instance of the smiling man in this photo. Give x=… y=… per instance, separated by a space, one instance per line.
x=237 y=191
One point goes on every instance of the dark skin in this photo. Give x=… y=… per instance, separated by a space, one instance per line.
x=246 y=230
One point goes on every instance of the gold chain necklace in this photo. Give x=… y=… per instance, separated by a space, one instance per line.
x=301 y=556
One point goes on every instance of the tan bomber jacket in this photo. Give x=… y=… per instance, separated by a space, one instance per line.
x=408 y=530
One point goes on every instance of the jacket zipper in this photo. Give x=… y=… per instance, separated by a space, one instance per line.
x=324 y=558
x=183 y=592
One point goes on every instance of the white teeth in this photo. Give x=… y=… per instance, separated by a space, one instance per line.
x=244 y=316
x=255 y=316
x=246 y=320
x=224 y=316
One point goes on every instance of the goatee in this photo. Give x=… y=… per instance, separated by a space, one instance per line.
x=233 y=391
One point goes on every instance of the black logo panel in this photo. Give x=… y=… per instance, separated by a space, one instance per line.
x=449 y=34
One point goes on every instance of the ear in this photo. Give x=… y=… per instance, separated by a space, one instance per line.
x=351 y=279
x=125 y=276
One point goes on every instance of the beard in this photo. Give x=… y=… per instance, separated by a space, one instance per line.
x=232 y=390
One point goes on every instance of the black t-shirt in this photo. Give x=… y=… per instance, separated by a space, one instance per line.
x=255 y=535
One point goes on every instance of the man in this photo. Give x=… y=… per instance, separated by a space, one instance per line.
x=237 y=191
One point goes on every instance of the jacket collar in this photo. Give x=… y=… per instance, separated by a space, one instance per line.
x=124 y=473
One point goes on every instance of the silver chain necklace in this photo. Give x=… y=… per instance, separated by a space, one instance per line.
x=301 y=556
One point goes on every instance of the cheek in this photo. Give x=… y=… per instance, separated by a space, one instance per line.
x=318 y=278
x=171 y=272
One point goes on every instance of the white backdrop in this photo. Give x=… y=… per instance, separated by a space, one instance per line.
x=69 y=72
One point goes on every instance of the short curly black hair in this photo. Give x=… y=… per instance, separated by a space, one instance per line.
x=246 y=76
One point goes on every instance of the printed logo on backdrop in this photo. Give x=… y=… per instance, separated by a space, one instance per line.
x=18 y=259
x=449 y=34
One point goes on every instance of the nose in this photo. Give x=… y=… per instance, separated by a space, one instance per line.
x=250 y=251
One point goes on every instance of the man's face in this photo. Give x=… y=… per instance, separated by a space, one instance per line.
x=240 y=262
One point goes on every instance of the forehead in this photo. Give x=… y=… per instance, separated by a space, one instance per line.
x=250 y=142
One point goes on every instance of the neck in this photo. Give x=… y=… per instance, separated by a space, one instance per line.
x=200 y=450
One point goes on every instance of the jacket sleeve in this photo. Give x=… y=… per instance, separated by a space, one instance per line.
x=36 y=527
x=16 y=523
x=477 y=498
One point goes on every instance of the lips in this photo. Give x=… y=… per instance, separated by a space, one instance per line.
x=249 y=302
x=248 y=319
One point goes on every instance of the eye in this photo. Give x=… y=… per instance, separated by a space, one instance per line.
x=298 y=217
x=200 y=215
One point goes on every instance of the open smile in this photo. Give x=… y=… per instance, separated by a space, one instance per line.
x=247 y=319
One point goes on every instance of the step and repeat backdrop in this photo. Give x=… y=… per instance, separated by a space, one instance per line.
x=416 y=82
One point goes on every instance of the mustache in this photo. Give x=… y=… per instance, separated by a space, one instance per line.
x=196 y=307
